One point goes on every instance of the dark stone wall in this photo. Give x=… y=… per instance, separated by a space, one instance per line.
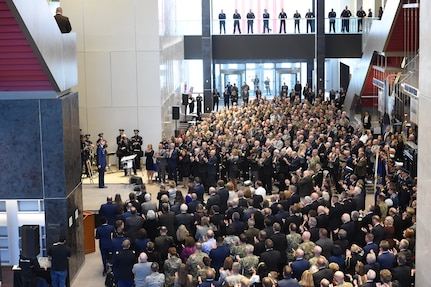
x=41 y=160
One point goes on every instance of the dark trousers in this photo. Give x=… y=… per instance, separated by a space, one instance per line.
x=359 y=25
x=215 y=103
x=105 y=254
x=172 y=173
x=266 y=26
x=223 y=26
x=310 y=24
x=332 y=26
x=345 y=25
x=297 y=26
x=249 y=26
x=236 y=25
x=136 y=164
x=101 y=176
x=282 y=24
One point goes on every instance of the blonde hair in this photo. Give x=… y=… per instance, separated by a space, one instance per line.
x=307 y=279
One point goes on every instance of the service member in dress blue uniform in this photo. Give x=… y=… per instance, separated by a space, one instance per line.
x=282 y=16
x=137 y=149
x=122 y=263
x=101 y=163
x=222 y=18
x=266 y=22
x=236 y=17
x=250 y=21
x=105 y=233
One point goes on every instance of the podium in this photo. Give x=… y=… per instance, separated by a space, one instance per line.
x=127 y=162
x=89 y=241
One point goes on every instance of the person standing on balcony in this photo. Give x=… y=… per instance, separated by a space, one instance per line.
x=310 y=20
x=380 y=13
x=332 y=15
x=250 y=21
x=222 y=19
x=345 y=22
x=282 y=16
x=360 y=14
x=266 y=21
x=62 y=21
x=297 y=16
x=236 y=17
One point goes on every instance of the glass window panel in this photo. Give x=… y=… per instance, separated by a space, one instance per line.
x=4 y=256
x=28 y=205
x=3 y=231
x=2 y=206
x=4 y=243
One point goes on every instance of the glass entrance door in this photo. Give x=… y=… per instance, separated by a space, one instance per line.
x=232 y=77
x=287 y=77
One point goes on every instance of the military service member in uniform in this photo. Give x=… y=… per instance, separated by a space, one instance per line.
x=136 y=149
x=171 y=265
x=155 y=279
x=122 y=264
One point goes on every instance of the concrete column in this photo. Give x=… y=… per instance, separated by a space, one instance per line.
x=423 y=243
x=207 y=55
x=41 y=160
x=320 y=52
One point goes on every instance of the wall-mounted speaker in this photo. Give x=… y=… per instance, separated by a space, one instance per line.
x=30 y=239
x=175 y=113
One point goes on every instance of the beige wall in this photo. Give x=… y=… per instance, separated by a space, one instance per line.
x=423 y=243
x=125 y=75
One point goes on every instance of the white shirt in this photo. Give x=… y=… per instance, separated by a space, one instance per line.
x=260 y=191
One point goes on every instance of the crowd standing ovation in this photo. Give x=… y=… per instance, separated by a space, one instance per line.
x=286 y=204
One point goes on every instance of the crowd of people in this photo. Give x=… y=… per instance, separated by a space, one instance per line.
x=275 y=197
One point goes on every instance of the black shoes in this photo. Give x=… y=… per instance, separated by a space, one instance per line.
x=103 y=186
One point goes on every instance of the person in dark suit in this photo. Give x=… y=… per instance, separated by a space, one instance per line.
x=132 y=224
x=325 y=242
x=386 y=259
x=371 y=275
x=271 y=257
x=287 y=280
x=212 y=168
x=222 y=19
x=163 y=242
x=210 y=281
x=101 y=163
x=109 y=211
x=214 y=198
x=62 y=21
x=236 y=17
x=402 y=272
x=322 y=273
x=370 y=245
x=282 y=16
x=219 y=254
x=224 y=195
x=199 y=189
x=167 y=219
x=104 y=233
x=184 y=218
x=279 y=240
x=299 y=265
x=172 y=160
x=122 y=264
